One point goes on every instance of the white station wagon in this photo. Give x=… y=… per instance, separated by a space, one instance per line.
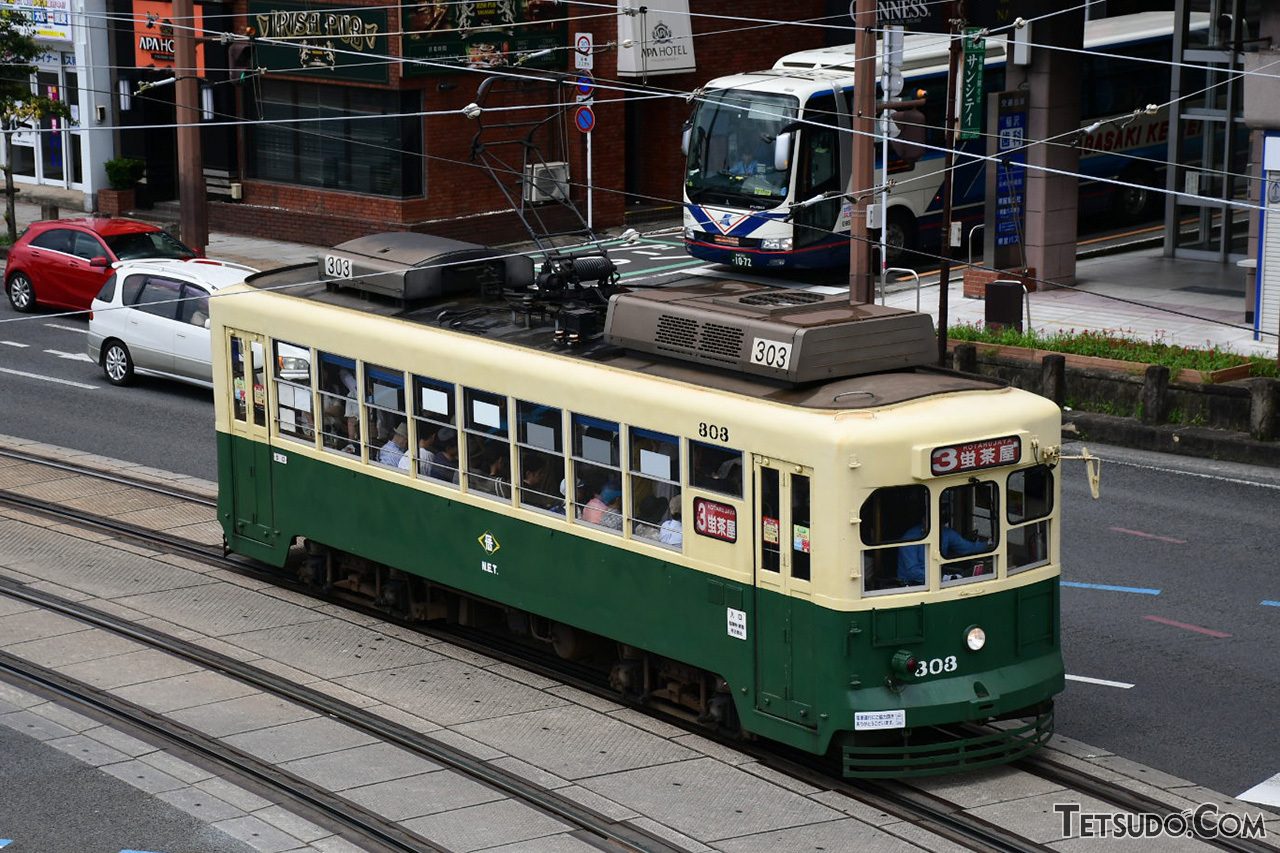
x=152 y=318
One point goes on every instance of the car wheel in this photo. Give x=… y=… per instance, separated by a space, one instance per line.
x=22 y=295
x=1137 y=203
x=117 y=364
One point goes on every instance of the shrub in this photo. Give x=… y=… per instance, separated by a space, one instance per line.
x=1116 y=345
x=123 y=173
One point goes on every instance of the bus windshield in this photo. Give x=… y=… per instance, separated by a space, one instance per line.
x=731 y=149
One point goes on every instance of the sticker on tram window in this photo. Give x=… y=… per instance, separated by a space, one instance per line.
x=864 y=720
x=992 y=453
x=776 y=354
x=737 y=624
x=771 y=529
x=715 y=520
x=800 y=538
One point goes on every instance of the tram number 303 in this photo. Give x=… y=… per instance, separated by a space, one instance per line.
x=335 y=267
x=935 y=666
x=776 y=354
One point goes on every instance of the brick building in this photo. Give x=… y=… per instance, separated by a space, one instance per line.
x=357 y=123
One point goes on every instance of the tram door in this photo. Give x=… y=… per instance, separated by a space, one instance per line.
x=783 y=638
x=250 y=448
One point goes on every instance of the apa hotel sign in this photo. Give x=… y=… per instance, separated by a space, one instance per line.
x=153 y=35
x=661 y=37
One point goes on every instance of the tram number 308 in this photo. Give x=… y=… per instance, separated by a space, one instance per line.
x=775 y=354
x=935 y=666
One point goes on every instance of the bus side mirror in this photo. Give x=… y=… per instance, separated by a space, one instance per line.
x=782 y=152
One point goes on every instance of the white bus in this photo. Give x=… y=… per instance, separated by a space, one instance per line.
x=768 y=152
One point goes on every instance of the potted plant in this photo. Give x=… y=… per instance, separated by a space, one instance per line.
x=123 y=174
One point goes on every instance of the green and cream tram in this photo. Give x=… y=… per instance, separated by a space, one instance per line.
x=712 y=493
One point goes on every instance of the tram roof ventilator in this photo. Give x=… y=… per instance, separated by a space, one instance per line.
x=791 y=335
x=408 y=266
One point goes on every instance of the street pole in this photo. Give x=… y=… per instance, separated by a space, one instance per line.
x=861 y=276
x=186 y=101
x=944 y=275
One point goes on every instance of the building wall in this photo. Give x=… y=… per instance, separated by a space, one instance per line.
x=462 y=200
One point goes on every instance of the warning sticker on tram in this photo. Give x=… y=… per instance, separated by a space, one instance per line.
x=991 y=453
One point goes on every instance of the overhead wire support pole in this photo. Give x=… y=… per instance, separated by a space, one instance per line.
x=194 y=221
x=861 y=276
x=953 y=87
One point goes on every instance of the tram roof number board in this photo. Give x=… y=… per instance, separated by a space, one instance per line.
x=584 y=119
x=974 y=455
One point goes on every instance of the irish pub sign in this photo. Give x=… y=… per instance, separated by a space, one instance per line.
x=329 y=42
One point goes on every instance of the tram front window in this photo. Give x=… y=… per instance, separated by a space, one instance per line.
x=732 y=137
x=969 y=531
x=890 y=517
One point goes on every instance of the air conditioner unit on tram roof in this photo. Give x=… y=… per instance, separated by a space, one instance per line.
x=795 y=336
x=546 y=181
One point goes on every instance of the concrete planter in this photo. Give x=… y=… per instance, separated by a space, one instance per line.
x=1132 y=368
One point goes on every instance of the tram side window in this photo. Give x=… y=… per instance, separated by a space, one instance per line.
x=339 y=409
x=488 y=444
x=239 y=382
x=597 y=466
x=258 y=367
x=291 y=369
x=801 y=532
x=716 y=469
x=1029 y=496
x=889 y=516
x=437 y=430
x=540 y=443
x=385 y=416
x=969 y=531
x=654 y=465
x=770 y=521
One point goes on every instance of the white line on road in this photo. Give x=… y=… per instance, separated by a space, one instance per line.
x=79 y=329
x=70 y=356
x=50 y=379
x=14 y=344
x=1102 y=681
x=1264 y=793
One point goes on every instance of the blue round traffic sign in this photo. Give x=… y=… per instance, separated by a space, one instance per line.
x=585 y=86
x=584 y=119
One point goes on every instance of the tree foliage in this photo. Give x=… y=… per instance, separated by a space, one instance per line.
x=20 y=106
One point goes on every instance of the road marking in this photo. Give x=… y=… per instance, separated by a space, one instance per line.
x=1163 y=470
x=79 y=329
x=681 y=265
x=72 y=356
x=50 y=379
x=1123 y=685
x=1264 y=793
x=14 y=344
x=1208 y=631
x=1150 y=536
x=1110 y=588
x=1271 y=603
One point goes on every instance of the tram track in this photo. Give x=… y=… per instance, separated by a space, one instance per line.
x=913 y=805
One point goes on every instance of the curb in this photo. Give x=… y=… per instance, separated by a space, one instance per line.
x=1198 y=442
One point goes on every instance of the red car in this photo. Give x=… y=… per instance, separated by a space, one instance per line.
x=63 y=263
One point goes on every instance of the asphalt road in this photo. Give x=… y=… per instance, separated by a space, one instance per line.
x=1191 y=620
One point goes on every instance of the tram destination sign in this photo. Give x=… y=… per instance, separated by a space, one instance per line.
x=973 y=455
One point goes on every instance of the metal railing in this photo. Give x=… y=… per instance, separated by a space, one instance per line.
x=885 y=272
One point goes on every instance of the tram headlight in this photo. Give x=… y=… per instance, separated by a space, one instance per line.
x=778 y=244
x=975 y=638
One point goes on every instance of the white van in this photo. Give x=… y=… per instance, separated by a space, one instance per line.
x=152 y=318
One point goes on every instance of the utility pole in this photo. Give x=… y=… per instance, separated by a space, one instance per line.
x=861 y=276
x=956 y=28
x=186 y=101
